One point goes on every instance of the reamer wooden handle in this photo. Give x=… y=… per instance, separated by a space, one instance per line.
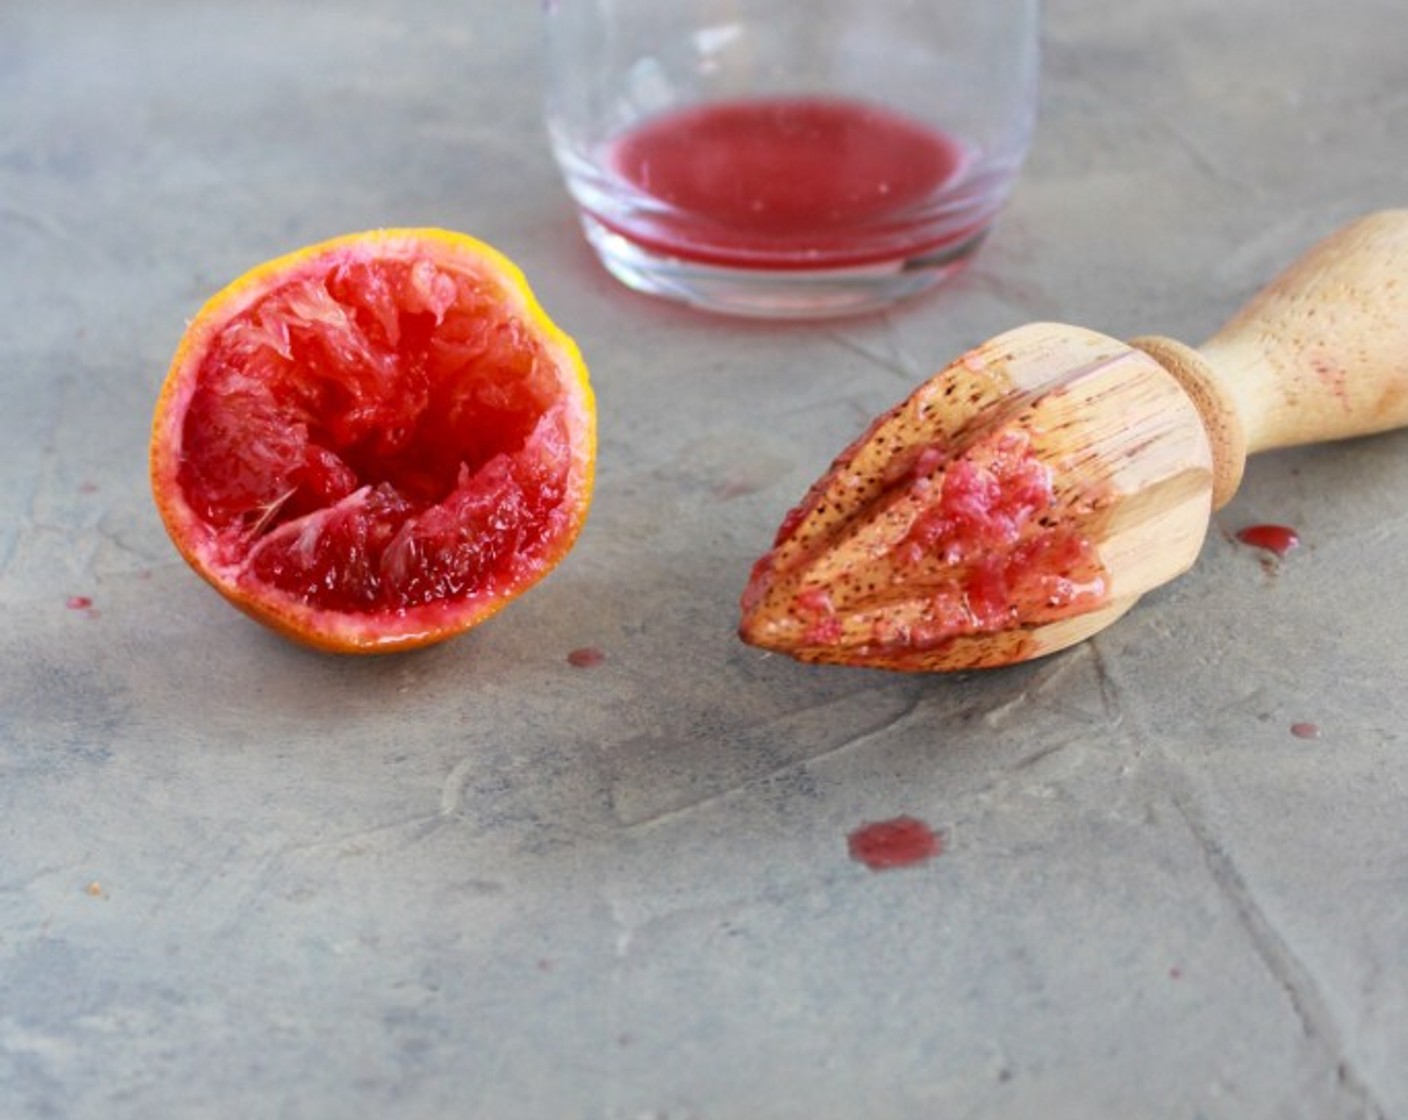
x=1320 y=354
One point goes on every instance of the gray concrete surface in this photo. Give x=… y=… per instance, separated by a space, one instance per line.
x=238 y=879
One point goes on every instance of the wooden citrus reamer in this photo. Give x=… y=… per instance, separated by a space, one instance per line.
x=1144 y=440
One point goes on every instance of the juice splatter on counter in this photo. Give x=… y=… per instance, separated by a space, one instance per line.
x=898 y=842
x=1276 y=539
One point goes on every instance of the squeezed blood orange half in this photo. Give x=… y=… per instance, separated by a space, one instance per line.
x=376 y=442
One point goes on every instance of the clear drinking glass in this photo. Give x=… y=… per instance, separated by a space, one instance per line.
x=790 y=158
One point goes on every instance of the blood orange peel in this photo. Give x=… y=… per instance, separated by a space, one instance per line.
x=376 y=442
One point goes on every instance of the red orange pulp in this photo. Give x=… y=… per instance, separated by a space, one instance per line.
x=375 y=442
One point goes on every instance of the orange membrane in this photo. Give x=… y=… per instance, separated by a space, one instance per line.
x=379 y=438
x=983 y=546
x=1009 y=560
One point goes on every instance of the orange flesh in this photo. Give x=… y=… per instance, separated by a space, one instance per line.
x=378 y=436
x=1004 y=560
x=958 y=543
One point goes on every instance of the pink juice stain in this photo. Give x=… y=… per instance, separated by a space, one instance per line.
x=786 y=183
x=899 y=842
x=1276 y=539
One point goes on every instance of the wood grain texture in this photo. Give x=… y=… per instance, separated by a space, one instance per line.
x=1321 y=353
x=1142 y=441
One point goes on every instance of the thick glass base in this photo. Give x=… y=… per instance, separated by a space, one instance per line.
x=776 y=293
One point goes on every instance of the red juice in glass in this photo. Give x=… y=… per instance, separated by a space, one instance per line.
x=788 y=160
x=783 y=183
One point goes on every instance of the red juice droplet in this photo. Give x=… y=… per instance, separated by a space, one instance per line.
x=1305 y=730
x=1279 y=539
x=588 y=657
x=900 y=842
x=78 y=602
